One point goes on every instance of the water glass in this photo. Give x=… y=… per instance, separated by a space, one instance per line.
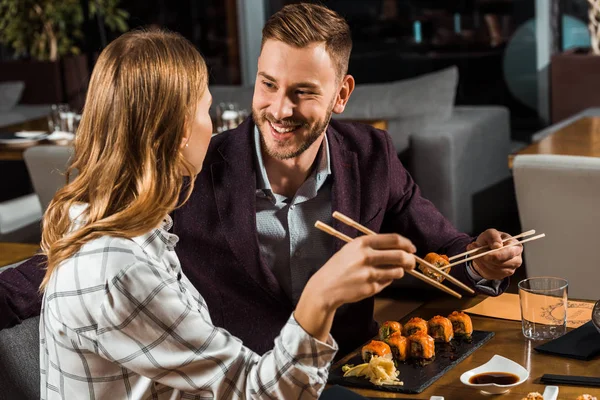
x=57 y=119
x=228 y=116
x=543 y=307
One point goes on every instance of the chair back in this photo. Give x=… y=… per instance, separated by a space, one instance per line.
x=47 y=165
x=559 y=196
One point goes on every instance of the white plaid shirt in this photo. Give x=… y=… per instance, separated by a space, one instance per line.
x=120 y=320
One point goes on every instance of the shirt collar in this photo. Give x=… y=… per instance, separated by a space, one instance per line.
x=155 y=242
x=262 y=179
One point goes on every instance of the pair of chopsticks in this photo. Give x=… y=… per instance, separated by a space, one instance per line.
x=350 y=222
x=528 y=233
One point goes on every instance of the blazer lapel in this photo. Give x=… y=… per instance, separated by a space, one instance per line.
x=234 y=184
x=346 y=184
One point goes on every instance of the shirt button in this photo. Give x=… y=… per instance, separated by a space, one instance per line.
x=297 y=253
x=292 y=207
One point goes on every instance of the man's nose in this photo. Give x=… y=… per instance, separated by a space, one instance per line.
x=282 y=107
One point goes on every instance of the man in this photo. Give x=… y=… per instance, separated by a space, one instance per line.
x=246 y=236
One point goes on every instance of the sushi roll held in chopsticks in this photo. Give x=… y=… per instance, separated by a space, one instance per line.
x=399 y=346
x=461 y=324
x=438 y=260
x=375 y=348
x=440 y=329
x=388 y=328
x=422 y=346
x=415 y=325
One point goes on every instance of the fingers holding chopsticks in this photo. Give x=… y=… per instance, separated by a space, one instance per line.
x=500 y=263
x=363 y=267
x=411 y=262
x=389 y=241
x=385 y=251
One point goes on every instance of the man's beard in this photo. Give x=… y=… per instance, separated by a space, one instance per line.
x=282 y=152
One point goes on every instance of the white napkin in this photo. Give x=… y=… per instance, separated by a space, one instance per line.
x=60 y=135
x=31 y=134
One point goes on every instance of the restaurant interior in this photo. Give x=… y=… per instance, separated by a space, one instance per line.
x=493 y=107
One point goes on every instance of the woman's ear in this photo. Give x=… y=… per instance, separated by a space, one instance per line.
x=185 y=139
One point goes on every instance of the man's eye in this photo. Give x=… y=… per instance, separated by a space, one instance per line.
x=268 y=84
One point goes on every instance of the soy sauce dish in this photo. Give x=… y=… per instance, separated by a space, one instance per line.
x=496 y=376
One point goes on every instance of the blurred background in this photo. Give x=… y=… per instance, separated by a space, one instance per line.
x=484 y=78
x=492 y=42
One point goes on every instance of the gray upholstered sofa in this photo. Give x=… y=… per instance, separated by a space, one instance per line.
x=20 y=360
x=453 y=152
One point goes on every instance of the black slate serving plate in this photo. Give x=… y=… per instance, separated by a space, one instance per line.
x=417 y=378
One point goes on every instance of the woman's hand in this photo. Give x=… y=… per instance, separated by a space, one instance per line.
x=359 y=270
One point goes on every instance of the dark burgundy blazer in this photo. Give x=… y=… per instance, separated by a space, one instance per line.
x=218 y=242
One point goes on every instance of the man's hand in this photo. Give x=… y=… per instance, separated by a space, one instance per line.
x=501 y=263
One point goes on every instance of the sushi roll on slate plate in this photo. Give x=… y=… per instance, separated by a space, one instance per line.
x=375 y=348
x=388 y=328
x=399 y=346
x=415 y=325
x=440 y=328
x=422 y=346
x=461 y=323
x=438 y=260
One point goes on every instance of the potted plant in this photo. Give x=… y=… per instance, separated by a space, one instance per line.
x=46 y=38
x=575 y=82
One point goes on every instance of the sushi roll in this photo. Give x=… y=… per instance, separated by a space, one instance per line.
x=438 y=260
x=375 y=348
x=388 y=328
x=461 y=324
x=440 y=328
x=415 y=325
x=399 y=346
x=422 y=346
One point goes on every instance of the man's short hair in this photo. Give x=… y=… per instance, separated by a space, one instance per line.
x=300 y=25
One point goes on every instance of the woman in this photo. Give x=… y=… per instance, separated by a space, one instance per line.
x=119 y=319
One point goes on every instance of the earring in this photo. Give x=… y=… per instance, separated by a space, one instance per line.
x=187 y=144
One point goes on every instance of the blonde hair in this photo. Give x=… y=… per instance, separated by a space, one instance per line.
x=143 y=91
x=300 y=25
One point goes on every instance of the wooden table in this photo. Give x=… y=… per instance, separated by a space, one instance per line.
x=580 y=138
x=16 y=153
x=508 y=342
x=13 y=252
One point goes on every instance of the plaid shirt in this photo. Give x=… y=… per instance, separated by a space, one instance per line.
x=120 y=320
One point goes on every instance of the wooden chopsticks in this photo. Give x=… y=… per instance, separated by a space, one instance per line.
x=541 y=235
x=333 y=232
x=350 y=222
x=466 y=253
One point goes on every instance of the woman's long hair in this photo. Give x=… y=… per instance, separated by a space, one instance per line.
x=143 y=92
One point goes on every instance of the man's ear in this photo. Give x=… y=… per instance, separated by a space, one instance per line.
x=343 y=95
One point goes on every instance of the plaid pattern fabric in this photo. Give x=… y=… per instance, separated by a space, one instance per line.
x=119 y=320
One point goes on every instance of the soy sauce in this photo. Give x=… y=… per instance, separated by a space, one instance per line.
x=499 y=378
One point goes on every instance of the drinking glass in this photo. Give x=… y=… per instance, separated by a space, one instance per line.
x=57 y=118
x=227 y=116
x=543 y=307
